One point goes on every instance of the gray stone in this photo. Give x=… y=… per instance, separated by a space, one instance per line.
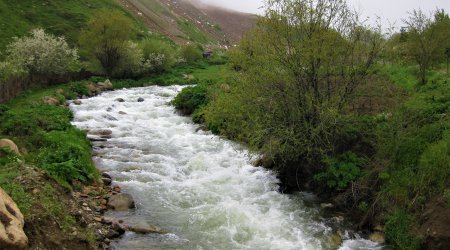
x=121 y=202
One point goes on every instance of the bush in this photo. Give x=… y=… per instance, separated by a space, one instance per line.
x=191 y=98
x=191 y=53
x=341 y=170
x=398 y=231
x=66 y=156
x=42 y=54
x=158 y=55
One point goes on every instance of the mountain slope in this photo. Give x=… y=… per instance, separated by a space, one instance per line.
x=57 y=17
x=189 y=21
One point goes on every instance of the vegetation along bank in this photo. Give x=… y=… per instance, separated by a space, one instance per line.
x=334 y=106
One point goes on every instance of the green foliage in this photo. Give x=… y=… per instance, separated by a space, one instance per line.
x=105 y=38
x=55 y=209
x=398 y=231
x=191 y=98
x=341 y=170
x=79 y=88
x=32 y=120
x=426 y=40
x=191 y=53
x=67 y=157
x=153 y=47
x=60 y=18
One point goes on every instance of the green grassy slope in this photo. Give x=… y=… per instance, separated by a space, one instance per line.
x=59 y=17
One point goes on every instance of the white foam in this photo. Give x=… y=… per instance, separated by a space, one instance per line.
x=201 y=188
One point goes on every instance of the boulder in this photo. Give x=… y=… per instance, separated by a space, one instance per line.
x=144 y=228
x=50 y=100
x=121 y=202
x=122 y=113
x=77 y=102
x=5 y=143
x=140 y=99
x=106 y=181
x=119 y=100
x=377 y=237
x=101 y=132
x=93 y=90
x=110 y=117
x=12 y=235
x=106 y=85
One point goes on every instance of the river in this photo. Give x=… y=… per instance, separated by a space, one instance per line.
x=201 y=188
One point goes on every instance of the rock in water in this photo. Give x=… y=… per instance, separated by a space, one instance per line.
x=377 y=237
x=12 y=235
x=140 y=99
x=144 y=228
x=77 y=102
x=106 y=85
x=5 y=143
x=119 y=100
x=110 y=117
x=121 y=202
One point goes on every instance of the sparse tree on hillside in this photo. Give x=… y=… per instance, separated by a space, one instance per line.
x=427 y=39
x=105 y=37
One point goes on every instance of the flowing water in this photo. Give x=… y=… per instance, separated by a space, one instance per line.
x=199 y=187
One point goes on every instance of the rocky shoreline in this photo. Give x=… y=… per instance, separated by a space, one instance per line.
x=96 y=200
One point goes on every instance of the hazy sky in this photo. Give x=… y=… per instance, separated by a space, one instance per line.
x=392 y=10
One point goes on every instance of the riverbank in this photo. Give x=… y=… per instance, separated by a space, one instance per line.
x=48 y=181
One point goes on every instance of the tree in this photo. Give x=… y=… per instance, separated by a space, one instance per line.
x=298 y=69
x=105 y=37
x=159 y=55
x=427 y=39
x=42 y=53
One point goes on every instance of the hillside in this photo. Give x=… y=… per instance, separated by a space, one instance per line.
x=190 y=21
x=57 y=17
x=181 y=21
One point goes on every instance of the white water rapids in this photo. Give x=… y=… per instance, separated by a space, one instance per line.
x=199 y=187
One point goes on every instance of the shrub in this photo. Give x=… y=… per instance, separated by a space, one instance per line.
x=398 y=231
x=191 y=53
x=158 y=55
x=341 y=170
x=191 y=98
x=131 y=62
x=43 y=54
x=66 y=156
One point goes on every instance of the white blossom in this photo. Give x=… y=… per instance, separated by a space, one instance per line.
x=42 y=53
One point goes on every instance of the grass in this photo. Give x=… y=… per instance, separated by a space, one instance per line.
x=192 y=32
x=181 y=75
x=66 y=18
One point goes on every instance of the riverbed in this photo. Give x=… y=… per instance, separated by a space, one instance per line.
x=202 y=189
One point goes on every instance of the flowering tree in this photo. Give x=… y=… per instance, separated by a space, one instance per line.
x=43 y=54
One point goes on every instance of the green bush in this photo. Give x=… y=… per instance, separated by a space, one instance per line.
x=398 y=231
x=191 y=53
x=191 y=98
x=80 y=88
x=153 y=47
x=341 y=170
x=66 y=156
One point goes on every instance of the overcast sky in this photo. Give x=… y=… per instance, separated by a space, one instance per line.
x=392 y=10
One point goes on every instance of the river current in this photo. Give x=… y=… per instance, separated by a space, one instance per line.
x=199 y=187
